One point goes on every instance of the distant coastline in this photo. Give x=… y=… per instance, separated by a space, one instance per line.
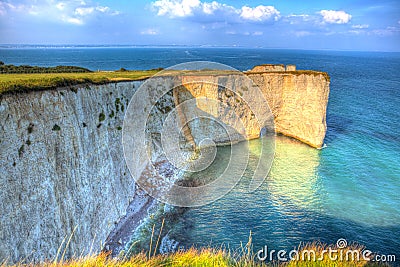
x=178 y=46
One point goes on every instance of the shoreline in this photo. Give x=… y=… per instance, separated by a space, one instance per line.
x=137 y=213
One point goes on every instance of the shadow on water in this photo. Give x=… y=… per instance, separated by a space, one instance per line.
x=338 y=125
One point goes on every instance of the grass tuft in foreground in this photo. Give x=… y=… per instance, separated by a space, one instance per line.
x=210 y=257
x=308 y=255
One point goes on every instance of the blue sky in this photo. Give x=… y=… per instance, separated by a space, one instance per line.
x=324 y=24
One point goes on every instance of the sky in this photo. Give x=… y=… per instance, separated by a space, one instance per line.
x=293 y=24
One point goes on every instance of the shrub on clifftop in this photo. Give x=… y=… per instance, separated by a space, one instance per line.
x=35 y=69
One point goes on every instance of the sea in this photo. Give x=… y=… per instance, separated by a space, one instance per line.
x=348 y=190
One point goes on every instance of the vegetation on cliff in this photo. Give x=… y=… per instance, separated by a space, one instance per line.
x=28 y=78
x=306 y=255
x=35 y=69
x=16 y=82
x=209 y=257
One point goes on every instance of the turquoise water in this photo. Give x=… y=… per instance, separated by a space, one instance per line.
x=350 y=189
x=303 y=199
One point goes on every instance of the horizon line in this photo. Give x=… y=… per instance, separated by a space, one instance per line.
x=38 y=46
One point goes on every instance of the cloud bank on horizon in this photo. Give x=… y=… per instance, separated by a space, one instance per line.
x=341 y=24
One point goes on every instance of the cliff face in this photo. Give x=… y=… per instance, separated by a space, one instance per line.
x=62 y=170
x=228 y=106
x=298 y=102
x=61 y=167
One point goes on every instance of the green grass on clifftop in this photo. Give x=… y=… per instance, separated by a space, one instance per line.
x=16 y=82
x=25 y=78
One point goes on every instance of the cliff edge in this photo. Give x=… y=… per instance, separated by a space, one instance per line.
x=62 y=170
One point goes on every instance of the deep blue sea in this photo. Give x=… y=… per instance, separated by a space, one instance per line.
x=350 y=189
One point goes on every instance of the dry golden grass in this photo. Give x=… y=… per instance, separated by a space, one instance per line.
x=191 y=257
x=211 y=257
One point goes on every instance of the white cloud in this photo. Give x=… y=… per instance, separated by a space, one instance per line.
x=335 y=17
x=356 y=32
x=210 y=8
x=245 y=33
x=260 y=13
x=6 y=7
x=75 y=21
x=149 y=32
x=84 y=11
x=294 y=19
x=214 y=11
x=360 y=26
x=74 y=12
x=103 y=9
x=302 y=33
x=303 y=16
x=176 y=8
x=388 y=31
x=60 y=6
x=3 y=11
